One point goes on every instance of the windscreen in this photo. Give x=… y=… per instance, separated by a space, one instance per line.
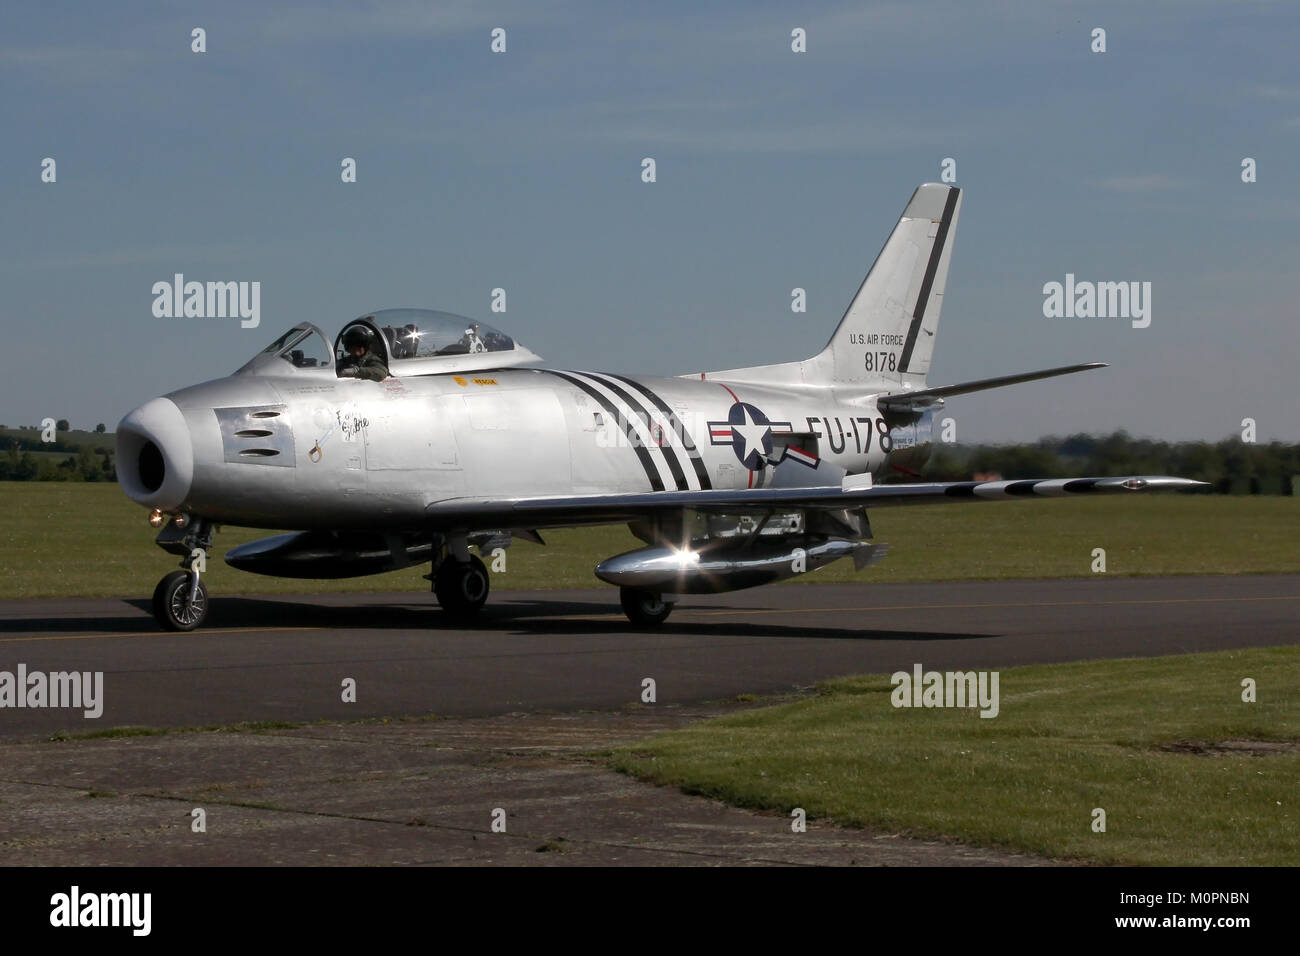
x=302 y=347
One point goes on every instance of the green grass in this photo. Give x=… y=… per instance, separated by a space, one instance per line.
x=1069 y=738
x=87 y=539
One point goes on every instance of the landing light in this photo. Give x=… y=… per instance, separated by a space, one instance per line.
x=181 y=520
x=156 y=518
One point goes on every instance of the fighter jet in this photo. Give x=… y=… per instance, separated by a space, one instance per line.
x=420 y=435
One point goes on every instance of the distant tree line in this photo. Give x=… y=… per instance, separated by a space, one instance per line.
x=84 y=464
x=35 y=444
x=1230 y=466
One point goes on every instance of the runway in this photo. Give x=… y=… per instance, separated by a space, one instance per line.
x=285 y=658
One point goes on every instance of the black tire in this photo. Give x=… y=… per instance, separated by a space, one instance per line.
x=171 y=603
x=462 y=587
x=643 y=608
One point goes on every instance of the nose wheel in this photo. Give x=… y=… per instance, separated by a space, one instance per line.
x=180 y=601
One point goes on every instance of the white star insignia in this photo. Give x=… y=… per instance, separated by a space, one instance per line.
x=751 y=433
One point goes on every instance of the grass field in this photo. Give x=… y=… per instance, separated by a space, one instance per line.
x=1136 y=738
x=88 y=539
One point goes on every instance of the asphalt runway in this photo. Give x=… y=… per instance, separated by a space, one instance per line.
x=285 y=658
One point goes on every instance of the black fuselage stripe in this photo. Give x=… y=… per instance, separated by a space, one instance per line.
x=651 y=472
x=931 y=267
x=669 y=453
x=692 y=453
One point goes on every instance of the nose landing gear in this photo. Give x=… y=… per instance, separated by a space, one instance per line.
x=180 y=601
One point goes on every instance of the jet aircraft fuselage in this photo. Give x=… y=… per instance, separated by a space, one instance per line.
x=309 y=450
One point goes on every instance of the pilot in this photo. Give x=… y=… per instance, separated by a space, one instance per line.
x=471 y=339
x=361 y=361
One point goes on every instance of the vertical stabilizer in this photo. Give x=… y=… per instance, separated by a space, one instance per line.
x=886 y=337
x=887 y=334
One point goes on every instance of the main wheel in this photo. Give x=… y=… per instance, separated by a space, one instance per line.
x=643 y=608
x=172 y=606
x=461 y=587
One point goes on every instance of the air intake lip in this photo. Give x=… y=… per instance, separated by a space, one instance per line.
x=155 y=456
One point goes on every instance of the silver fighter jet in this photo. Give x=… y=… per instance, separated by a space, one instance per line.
x=420 y=435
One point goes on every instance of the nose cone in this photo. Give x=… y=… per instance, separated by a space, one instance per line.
x=155 y=458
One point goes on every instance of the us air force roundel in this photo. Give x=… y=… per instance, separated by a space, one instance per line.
x=748 y=432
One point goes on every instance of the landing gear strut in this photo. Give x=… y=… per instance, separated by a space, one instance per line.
x=180 y=601
x=644 y=608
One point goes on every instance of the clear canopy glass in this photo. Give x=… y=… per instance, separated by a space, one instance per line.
x=414 y=341
x=425 y=333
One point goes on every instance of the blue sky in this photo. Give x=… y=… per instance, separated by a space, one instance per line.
x=775 y=170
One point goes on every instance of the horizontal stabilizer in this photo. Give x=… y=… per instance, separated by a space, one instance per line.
x=924 y=398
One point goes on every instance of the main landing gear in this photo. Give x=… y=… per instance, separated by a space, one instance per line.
x=644 y=608
x=460 y=580
x=180 y=601
x=461 y=586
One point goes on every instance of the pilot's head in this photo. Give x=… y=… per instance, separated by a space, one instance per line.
x=356 y=341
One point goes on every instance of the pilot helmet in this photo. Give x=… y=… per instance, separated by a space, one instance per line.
x=357 y=336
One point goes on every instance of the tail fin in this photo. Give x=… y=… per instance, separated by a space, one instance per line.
x=886 y=336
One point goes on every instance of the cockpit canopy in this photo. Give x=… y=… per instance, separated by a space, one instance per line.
x=409 y=341
x=423 y=333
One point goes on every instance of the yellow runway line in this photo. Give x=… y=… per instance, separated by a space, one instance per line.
x=160 y=633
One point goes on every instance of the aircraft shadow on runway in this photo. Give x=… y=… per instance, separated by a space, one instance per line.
x=524 y=618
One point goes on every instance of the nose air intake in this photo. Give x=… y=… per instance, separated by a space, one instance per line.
x=151 y=466
x=155 y=458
